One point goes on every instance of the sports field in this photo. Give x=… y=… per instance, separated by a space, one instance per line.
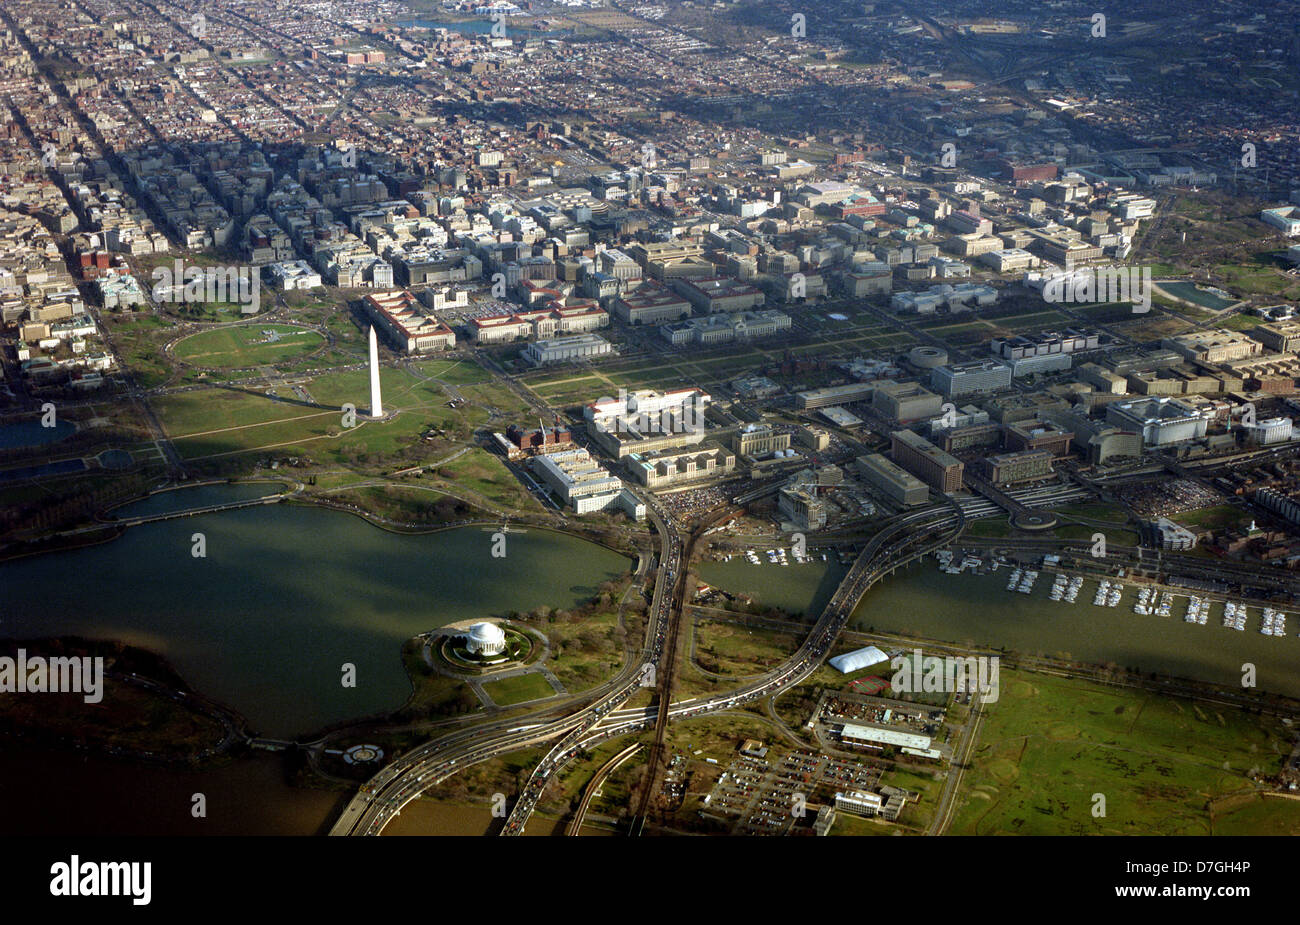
x=247 y=345
x=1050 y=747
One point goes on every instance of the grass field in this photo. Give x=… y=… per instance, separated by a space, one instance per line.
x=1050 y=745
x=1094 y=511
x=739 y=651
x=223 y=421
x=1256 y=814
x=1215 y=517
x=521 y=688
x=247 y=345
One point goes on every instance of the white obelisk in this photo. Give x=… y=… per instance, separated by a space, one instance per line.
x=376 y=403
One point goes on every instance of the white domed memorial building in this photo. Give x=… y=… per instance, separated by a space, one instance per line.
x=485 y=640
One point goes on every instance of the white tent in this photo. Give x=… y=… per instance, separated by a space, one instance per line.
x=858 y=658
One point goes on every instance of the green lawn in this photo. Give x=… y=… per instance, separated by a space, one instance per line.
x=247 y=345
x=521 y=688
x=1215 y=517
x=1049 y=745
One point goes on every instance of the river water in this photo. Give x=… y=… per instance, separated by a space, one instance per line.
x=976 y=609
x=286 y=595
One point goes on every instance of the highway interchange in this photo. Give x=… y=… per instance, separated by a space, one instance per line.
x=602 y=716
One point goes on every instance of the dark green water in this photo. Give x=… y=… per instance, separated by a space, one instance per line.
x=186 y=499
x=31 y=433
x=976 y=609
x=286 y=596
x=795 y=588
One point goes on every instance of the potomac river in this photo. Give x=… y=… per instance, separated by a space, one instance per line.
x=286 y=595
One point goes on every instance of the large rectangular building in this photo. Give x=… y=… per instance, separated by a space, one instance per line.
x=646 y=421
x=759 y=440
x=1039 y=435
x=723 y=328
x=1217 y=346
x=540 y=323
x=672 y=468
x=905 y=401
x=566 y=349
x=1008 y=468
x=973 y=378
x=941 y=471
x=651 y=303
x=894 y=482
x=718 y=294
x=1282 y=336
x=399 y=315
x=578 y=480
x=834 y=395
x=1161 y=421
x=1044 y=343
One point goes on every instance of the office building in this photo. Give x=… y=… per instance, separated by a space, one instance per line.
x=1282 y=336
x=940 y=470
x=834 y=395
x=651 y=303
x=893 y=481
x=580 y=482
x=1216 y=346
x=646 y=421
x=1161 y=421
x=1021 y=466
x=718 y=294
x=566 y=349
x=800 y=506
x=974 y=378
x=759 y=440
x=905 y=401
x=671 y=468
x=399 y=315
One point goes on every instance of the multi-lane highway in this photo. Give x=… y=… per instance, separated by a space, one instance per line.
x=903 y=539
x=382 y=798
x=601 y=715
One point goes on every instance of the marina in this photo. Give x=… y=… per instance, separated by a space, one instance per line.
x=1152 y=600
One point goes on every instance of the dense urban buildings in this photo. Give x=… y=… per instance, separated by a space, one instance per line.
x=609 y=368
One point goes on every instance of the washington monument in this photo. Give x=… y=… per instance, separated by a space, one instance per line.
x=376 y=403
